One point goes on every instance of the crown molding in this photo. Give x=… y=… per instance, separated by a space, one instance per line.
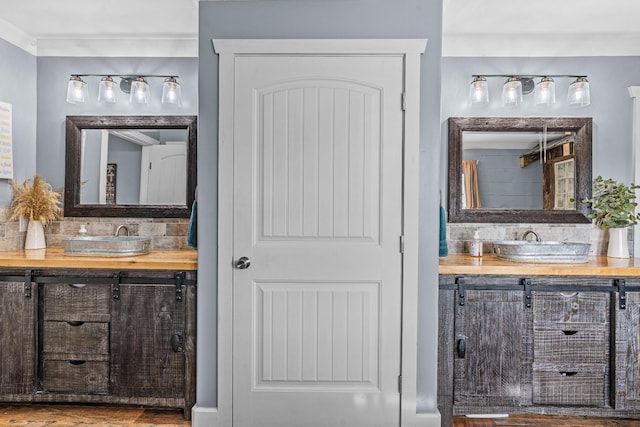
x=17 y=37
x=540 y=45
x=121 y=47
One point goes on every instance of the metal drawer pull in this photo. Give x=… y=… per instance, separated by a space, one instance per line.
x=568 y=373
x=569 y=332
x=77 y=285
x=75 y=323
x=461 y=348
x=77 y=362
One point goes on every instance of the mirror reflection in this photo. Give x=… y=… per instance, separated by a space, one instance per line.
x=518 y=170
x=134 y=166
x=130 y=166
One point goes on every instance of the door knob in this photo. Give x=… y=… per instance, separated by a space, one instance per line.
x=243 y=263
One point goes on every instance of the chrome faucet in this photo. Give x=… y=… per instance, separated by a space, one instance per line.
x=121 y=227
x=526 y=234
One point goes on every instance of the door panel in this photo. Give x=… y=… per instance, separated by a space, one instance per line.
x=317 y=209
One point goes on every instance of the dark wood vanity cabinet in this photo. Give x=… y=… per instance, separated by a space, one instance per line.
x=490 y=349
x=100 y=337
x=17 y=347
x=550 y=345
x=149 y=342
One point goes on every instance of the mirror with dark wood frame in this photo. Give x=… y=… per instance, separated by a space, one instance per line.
x=82 y=129
x=557 y=161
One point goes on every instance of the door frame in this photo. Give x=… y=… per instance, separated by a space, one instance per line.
x=411 y=51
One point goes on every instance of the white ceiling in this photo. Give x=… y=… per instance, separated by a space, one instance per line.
x=541 y=28
x=470 y=27
x=139 y=28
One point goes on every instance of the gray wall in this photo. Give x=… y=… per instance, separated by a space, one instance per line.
x=611 y=106
x=503 y=183
x=320 y=19
x=53 y=75
x=18 y=87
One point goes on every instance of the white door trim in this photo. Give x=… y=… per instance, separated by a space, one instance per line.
x=634 y=92
x=410 y=49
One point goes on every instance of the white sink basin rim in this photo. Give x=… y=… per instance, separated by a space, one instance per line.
x=114 y=246
x=545 y=251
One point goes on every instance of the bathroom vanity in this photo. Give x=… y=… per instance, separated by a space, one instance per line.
x=539 y=338
x=98 y=329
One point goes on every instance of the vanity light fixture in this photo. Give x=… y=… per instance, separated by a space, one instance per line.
x=171 y=93
x=579 y=93
x=136 y=86
x=479 y=91
x=107 y=92
x=545 y=93
x=512 y=92
x=518 y=85
x=77 y=90
x=139 y=93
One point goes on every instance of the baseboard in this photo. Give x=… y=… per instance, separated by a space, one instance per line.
x=204 y=417
x=427 y=420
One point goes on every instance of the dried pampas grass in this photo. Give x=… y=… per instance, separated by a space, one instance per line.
x=35 y=201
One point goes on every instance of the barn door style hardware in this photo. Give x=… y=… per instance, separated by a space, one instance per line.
x=28 y=283
x=528 y=296
x=461 y=291
x=622 y=293
x=179 y=281
x=117 y=277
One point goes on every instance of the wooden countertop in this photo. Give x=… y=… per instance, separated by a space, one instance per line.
x=491 y=264
x=55 y=258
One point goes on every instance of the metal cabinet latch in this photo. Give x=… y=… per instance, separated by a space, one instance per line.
x=528 y=296
x=179 y=279
x=461 y=291
x=28 y=283
x=622 y=293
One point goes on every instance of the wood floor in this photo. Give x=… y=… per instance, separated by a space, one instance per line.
x=109 y=416
x=544 y=421
x=90 y=416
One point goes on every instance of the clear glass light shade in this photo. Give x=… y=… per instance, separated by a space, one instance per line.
x=579 y=94
x=171 y=92
x=479 y=91
x=512 y=92
x=77 y=90
x=545 y=93
x=139 y=91
x=107 y=92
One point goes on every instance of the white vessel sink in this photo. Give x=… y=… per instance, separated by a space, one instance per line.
x=110 y=246
x=545 y=251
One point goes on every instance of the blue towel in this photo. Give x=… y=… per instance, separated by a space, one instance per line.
x=192 y=232
x=444 y=250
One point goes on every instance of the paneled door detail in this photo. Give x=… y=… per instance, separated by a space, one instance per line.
x=318 y=144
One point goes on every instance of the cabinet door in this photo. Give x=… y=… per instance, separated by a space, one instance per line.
x=491 y=350
x=147 y=342
x=17 y=342
x=627 y=352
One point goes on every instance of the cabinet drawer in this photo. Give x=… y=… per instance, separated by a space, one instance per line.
x=76 y=302
x=76 y=376
x=75 y=338
x=570 y=307
x=570 y=345
x=569 y=384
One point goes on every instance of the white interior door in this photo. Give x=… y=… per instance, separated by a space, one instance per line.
x=317 y=153
x=163 y=175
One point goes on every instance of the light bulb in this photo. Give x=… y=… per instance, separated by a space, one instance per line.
x=545 y=93
x=512 y=92
x=107 y=90
x=579 y=94
x=77 y=90
x=479 y=91
x=171 y=92
x=139 y=91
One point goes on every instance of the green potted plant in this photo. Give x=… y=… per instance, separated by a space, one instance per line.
x=613 y=208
